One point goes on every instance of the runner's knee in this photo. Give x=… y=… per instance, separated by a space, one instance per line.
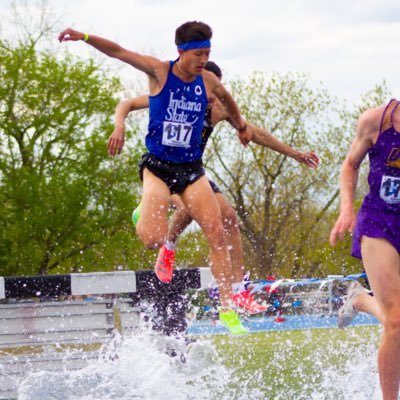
x=392 y=324
x=152 y=240
x=152 y=243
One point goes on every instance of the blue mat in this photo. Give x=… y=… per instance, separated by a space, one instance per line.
x=257 y=324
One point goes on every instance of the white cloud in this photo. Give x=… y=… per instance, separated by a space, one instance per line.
x=346 y=44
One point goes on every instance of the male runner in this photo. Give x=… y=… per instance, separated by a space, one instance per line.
x=181 y=218
x=179 y=93
x=376 y=229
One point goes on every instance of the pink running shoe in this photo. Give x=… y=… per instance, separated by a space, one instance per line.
x=165 y=264
x=246 y=301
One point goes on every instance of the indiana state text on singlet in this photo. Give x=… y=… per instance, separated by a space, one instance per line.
x=176 y=120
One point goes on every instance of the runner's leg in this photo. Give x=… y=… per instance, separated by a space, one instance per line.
x=368 y=304
x=382 y=264
x=232 y=237
x=152 y=227
x=166 y=257
x=180 y=219
x=203 y=207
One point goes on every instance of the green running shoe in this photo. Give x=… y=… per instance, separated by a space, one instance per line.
x=232 y=322
x=136 y=214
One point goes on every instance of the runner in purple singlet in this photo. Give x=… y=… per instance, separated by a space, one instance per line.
x=377 y=228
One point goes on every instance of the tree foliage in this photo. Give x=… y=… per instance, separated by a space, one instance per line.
x=66 y=204
x=285 y=208
x=63 y=198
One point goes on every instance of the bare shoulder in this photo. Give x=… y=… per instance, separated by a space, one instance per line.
x=209 y=77
x=210 y=81
x=161 y=68
x=369 y=123
x=373 y=115
x=158 y=76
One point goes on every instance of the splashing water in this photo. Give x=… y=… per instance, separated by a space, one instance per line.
x=140 y=368
x=357 y=378
x=288 y=366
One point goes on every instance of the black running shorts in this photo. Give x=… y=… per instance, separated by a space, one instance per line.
x=214 y=187
x=177 y=176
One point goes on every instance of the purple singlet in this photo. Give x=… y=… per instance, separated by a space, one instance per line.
x=379 y=215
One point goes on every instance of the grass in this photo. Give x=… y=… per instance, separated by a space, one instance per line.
x=294 y=364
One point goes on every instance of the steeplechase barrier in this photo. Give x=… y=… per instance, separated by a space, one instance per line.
x=60 y=322
x=42 y=316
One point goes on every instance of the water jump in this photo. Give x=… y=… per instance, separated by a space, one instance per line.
x=170 y=135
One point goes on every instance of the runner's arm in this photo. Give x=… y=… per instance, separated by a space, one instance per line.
x=232 y=109
x=266 y=139
x=142 y=62
x=349 y=176
x=117 y=138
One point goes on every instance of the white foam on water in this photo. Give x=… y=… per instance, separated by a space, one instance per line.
x=338 y=371
x=357 y=379
x=139 y=367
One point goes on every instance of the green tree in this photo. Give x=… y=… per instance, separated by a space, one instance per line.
x=66 y=204
x=284 y=208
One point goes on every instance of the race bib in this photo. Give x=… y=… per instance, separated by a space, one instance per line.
x=390 y=189
x=176 y=134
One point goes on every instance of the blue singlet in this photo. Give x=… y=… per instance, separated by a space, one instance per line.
x=176 y=120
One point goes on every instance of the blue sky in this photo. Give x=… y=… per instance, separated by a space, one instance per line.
x=349 y=45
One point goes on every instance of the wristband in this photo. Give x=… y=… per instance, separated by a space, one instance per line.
x=243 y=128
x=85 y=36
